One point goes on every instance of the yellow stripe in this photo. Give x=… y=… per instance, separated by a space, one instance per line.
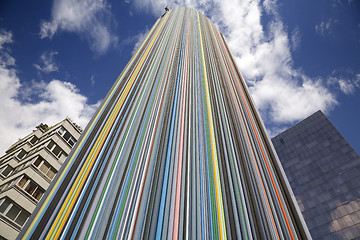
x=219 y=201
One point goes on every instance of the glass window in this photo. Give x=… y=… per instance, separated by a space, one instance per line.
x=6 y=171
x=38 y=194
x=51 y=173
x=37 y=162
x=21 y=154
x=62 y=158
x=61 y=131
x=4 y=203
x=23 y=216
x=50 y=145
x=13 y=212
x=33 y=140
x=56 y=151
x=22 y=181
x=30 y=188
x=44 y=167
x=67 y=136
x=72 y=141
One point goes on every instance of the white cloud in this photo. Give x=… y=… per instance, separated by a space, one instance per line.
x=48 y=64
x=283 y=93
x=325 y=27
x=5 y=58
x=295 y=39
x=90 y=19
x=347 y=85
x=5 y=37
x=55 y=101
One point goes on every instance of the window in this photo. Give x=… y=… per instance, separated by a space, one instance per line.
x=61 y=131
x=33 y=140
x=12 y=212
x=6 y=171
x=62 y=157
x=37 y=161
x=51 y=173
x=22 y=182
x=4 y=203
x=57 y=151
x=22 y=153
x=44 y=167
x=67 y=136
x=50 y=145
x=72 y=141
x=31 y=188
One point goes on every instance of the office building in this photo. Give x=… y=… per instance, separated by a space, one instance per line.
x=324 y=173
x=176 y=150
x=27 y=169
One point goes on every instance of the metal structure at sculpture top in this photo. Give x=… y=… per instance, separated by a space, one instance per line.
x=176 y=150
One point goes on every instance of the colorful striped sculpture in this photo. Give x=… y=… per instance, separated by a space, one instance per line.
x=176 y=150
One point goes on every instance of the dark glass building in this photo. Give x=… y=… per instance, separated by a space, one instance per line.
x=324 y=173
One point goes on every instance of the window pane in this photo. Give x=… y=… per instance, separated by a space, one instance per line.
x=4 y=205
x=44 y=167
x=71 y=142
x=23 y=216
x=61 y=131
x=22 y=182
x=7 y=171
x=62 y=158
x=30 y=188
x=38 y=194
x=13 y=212
x=57 y=150
x=21 y=154
x=51 y=173
x=37 y=162
x=33 y=140
x=67 y=135
x=50 y=145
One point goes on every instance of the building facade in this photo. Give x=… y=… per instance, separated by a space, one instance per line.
x=176 y=150
x=324 y=173
x=27 y=169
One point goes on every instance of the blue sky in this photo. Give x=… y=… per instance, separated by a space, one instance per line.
x=60 y=58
